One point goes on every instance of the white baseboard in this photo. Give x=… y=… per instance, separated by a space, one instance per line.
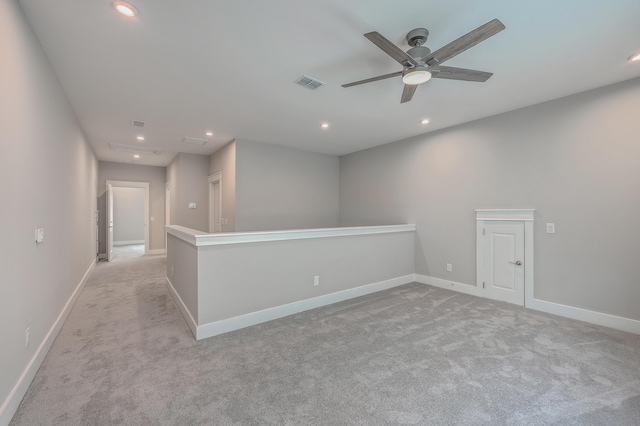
x=593 y=317
x=18 y=392
x=127 y=243
x=156 y=251
x=193 y=325
x=219 y=327
x=450 y=285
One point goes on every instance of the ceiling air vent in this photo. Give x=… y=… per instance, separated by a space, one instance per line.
x=309 y=82
x=194 y=141
x=137 y=123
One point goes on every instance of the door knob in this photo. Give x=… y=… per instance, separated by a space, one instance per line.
x=517 y=262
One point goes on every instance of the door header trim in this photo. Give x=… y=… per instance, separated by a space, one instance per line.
x=521 y=215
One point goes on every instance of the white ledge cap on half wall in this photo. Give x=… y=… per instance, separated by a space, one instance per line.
x=200 y=239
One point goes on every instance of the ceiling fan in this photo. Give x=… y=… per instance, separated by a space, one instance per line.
x=420 y=64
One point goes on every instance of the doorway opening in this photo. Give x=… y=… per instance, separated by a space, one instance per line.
x=127 y=210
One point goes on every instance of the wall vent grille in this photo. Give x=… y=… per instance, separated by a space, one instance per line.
x=137 y=123
x=309 y=82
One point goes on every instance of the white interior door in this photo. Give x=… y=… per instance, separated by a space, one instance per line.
x=109 y=222
x=504 y=261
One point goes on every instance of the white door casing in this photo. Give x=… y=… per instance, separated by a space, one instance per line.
x=167 y=209
x=512 y=241
x=504 y=261
x=109 y=222
x=215 y=202
x=131 y=184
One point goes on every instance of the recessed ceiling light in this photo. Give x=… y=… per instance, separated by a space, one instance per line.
x=140 y=138
x=425 y=121
x=635 y=57
x=136 y=156
x=125 y=9
x=324 y=125
x=209 y=133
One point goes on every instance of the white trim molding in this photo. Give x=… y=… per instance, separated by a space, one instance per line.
x=10 y=405
x=145 y=186
x=224 y=326
x=522 y=215
x=200 y=239
x=449 y=285
x=156 y=251
x=215 y=178
x=186 y=314
x=585 y=315
x=593 y=317
x=128 y=243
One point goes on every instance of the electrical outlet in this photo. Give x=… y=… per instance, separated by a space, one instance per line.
x=27 y=332
x=316 y=280
x=551 y=228
x=449 y=267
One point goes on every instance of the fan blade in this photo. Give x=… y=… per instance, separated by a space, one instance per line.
x=391 y=49
x=465 y=42
x=369 y=80
x=451 y=73
x=407 y=92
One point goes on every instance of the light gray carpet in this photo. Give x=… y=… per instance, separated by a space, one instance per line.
x=128 y=251
x=411 y=355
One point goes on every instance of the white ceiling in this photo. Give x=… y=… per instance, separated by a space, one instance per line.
x=188 y=66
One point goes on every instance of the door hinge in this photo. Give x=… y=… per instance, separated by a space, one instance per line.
x=482 y=285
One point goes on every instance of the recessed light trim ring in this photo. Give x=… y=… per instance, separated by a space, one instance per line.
x=125 y=9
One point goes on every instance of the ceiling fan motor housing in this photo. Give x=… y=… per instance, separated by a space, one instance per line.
x=419 y=53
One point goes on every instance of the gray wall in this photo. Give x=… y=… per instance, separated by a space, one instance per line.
x=48 y=173
x=575 y=160
x=224 y=161
x=284 y=188
x=128 y=215
x=156 y=176
x=182 y=272
x=276 y=273
x=188 y=177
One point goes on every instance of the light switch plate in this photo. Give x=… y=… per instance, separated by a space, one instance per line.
x=40 y=235
x=551 y=228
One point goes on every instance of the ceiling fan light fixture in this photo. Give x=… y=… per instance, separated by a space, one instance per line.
x=416 y=75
